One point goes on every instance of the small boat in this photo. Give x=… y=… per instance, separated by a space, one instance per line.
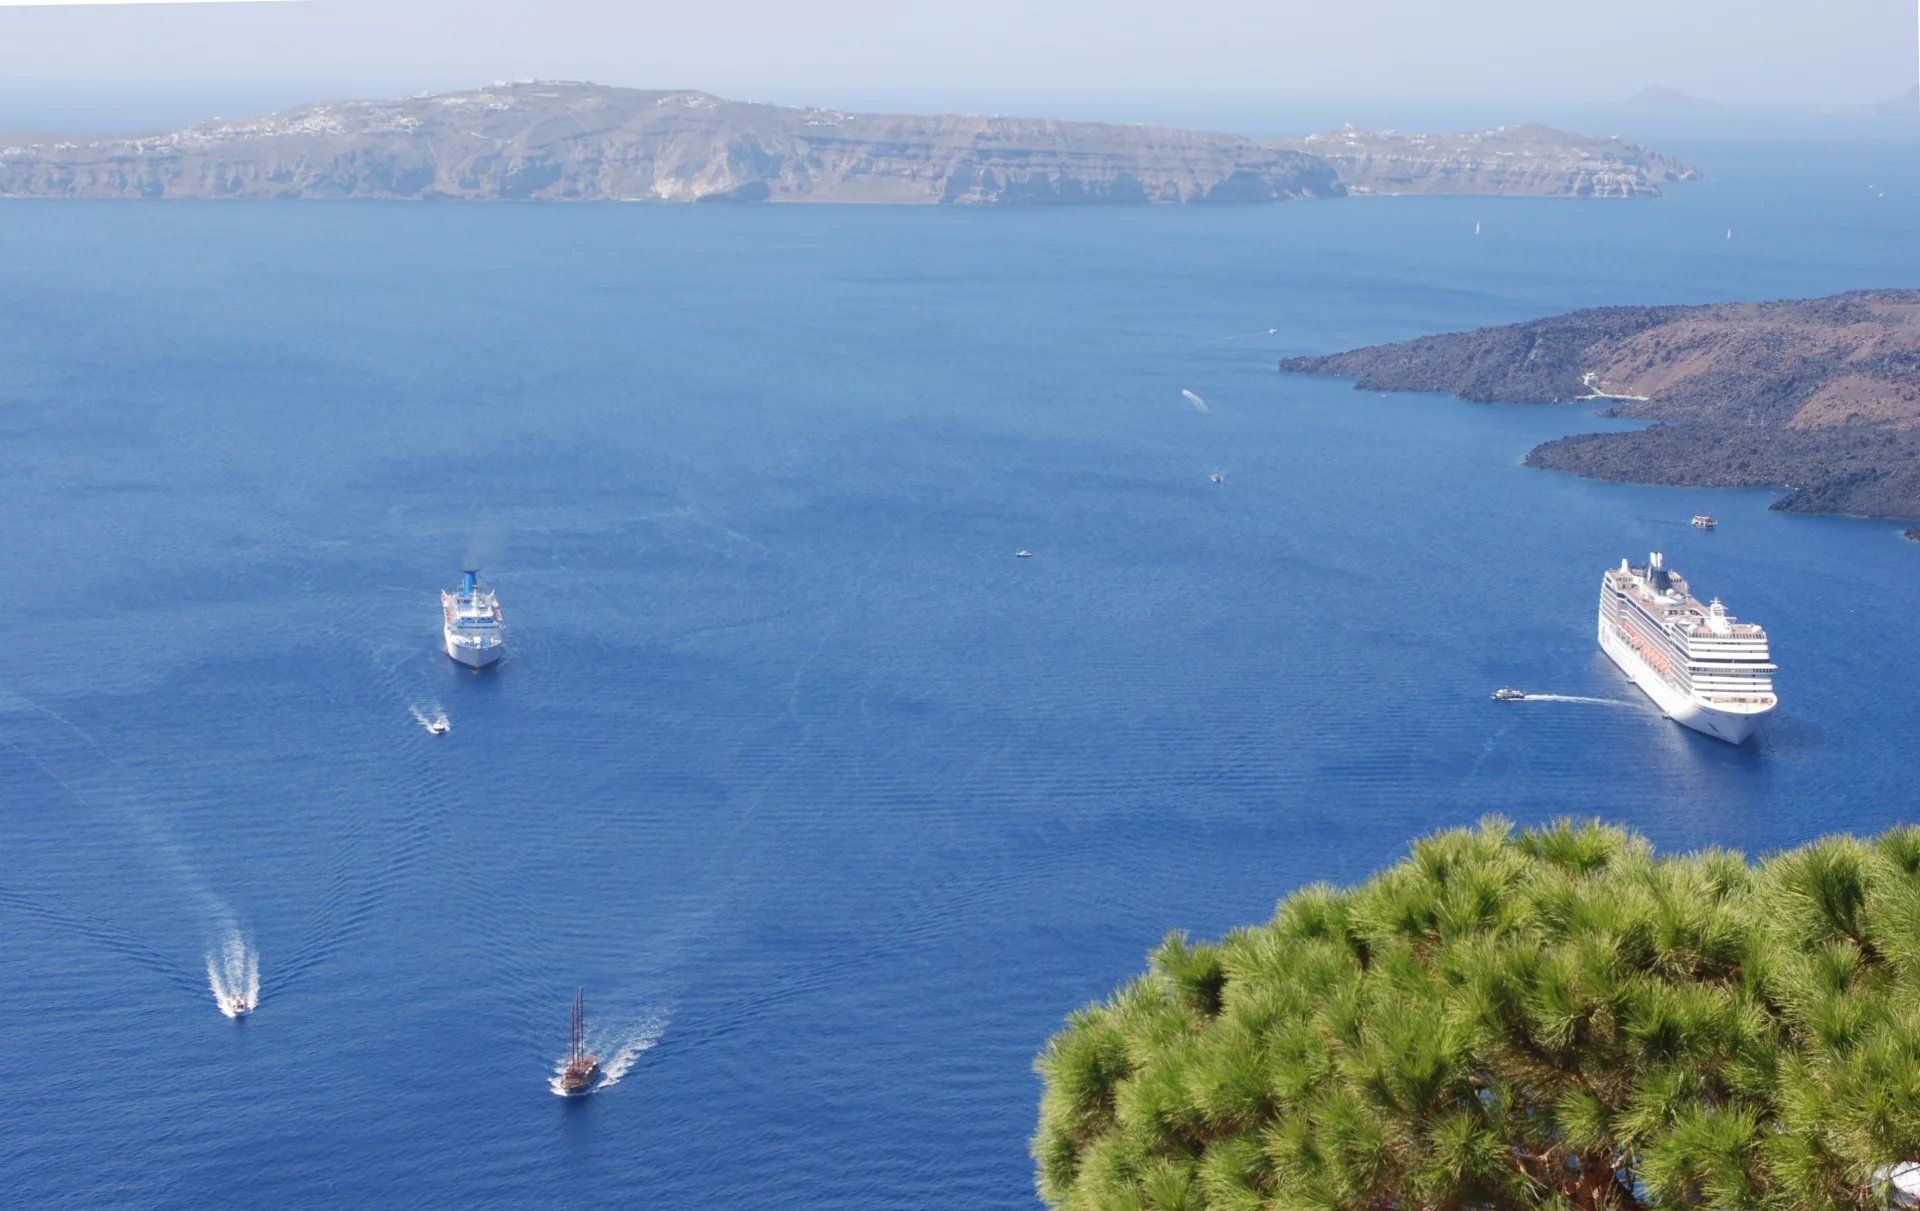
x=1218 y=478
x=583 y=1067
x=1023 y=554
x=240 y=1007
x=439 y=727
x=1704 y=521
x=1507 y=693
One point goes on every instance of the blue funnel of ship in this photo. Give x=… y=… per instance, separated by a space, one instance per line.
x=469 y=580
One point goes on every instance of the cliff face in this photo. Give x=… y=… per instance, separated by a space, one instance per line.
x=1818 y=396
x=583 y=142
x=1534 y=161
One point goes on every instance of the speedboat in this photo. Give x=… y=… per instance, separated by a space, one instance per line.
x=1023 y=554
x=1219 y=479
x=439 y=727
x=240 y=1007
x=1507 y=693
x=1704 y=521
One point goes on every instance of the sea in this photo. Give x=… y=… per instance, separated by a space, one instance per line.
x=833 y=806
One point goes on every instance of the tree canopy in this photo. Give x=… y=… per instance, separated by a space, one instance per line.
x=1545 y=1018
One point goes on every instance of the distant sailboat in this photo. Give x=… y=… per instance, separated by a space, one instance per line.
x=583 y=1067
x=1729 y=233
x=1476 y=227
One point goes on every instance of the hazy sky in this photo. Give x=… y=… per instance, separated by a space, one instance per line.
x=854 y=52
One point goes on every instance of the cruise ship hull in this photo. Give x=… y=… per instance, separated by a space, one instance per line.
x=1731 y=726
x=473 y=657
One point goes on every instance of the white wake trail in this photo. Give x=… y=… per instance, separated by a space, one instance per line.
x=622 y=1047
x=433 y=717
x=233 y=974
x=217 y=916
x=1575 y=698
x=1194 y=399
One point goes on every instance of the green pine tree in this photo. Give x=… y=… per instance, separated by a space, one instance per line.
x=1551 y=1018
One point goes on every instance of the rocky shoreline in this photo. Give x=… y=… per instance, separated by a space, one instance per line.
x=1819 y=398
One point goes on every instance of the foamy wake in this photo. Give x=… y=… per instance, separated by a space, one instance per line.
x=233 y=973
x=619 y=1049
x=430 y=717
x=1576 y=698
x=1194 y=399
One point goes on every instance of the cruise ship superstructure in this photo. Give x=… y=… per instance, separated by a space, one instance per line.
x=1697 y=662
x=475 y=632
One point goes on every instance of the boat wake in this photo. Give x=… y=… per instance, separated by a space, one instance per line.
x=623 y=1049
x=233 y=973
x=1575 y=698
x=233 y=970
x=1245 y=336
x=433 y=718
x=1199 y=404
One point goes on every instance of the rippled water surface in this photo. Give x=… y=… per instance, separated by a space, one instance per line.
x=833 y=805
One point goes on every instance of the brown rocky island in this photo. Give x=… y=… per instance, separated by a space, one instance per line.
x=1817 y=397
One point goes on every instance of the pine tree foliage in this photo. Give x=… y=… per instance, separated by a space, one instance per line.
x=1552 y=1018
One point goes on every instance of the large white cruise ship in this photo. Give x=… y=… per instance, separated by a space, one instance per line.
x=475 y=632
x=1696 y=662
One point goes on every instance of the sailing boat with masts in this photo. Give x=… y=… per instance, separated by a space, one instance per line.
x=583 y=1068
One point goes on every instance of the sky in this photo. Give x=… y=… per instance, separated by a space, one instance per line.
x=101 y=67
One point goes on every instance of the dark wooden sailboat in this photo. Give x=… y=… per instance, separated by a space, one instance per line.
x=583 y=1068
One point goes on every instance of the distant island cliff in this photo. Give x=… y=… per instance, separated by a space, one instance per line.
x=1516 y=161
x=585 y=142
x=1818 y=397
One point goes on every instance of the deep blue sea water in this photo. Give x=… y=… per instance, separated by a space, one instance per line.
x=834 y=806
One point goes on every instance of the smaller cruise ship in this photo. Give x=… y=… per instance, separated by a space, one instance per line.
x=471 y=623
